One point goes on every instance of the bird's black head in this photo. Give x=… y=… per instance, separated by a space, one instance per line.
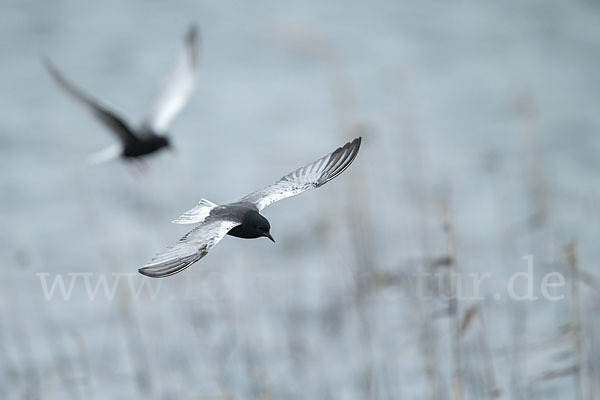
x=257 y=225
x=163 y=141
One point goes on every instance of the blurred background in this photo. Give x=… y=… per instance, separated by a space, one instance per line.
x=480 y=155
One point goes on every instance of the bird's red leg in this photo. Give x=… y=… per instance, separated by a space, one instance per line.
x=138 y=166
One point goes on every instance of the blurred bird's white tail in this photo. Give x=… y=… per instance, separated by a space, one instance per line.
x=196 y=214
x=110 y=153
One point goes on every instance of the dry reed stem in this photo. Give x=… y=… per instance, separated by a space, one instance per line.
x=557 y=373
x=84 y=363
x=134 y=343
x=570 y=252
x=526 y=110
x=468 y=318
x=488 y=357
x=427 y=342
x=453 y=312
x=591 y=360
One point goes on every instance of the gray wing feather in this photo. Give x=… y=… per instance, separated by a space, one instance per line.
x=313 y=175
x=178 y=87
x=190 y=248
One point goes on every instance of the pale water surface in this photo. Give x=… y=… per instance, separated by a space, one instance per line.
x=482 y=114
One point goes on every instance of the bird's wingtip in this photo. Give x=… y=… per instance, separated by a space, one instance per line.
x=48 y=64
x=356 y=143
x=148 y=271
x=52 y=69
x=193 y=33
x=145 y=273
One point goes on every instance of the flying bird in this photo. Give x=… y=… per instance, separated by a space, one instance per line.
x=242 y=218
x=151 y=134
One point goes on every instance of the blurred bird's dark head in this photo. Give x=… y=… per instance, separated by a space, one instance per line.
x=253 y=226
x=158 y=140
x=164 y=141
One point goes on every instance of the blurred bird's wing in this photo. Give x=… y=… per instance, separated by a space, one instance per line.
x=110 y=119
x=178 y=86
x=313 y=175
x=190 y=248
x=107 y=154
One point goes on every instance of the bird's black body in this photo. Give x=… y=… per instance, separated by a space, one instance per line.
x=253 y=226
x=144 y=145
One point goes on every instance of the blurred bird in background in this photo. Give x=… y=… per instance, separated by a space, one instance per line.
x=151 y=135
x=242 y=218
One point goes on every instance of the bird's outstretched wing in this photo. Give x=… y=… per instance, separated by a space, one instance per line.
x=110 y=119
x=178 y=86
x=190 y=248
x=310 y=176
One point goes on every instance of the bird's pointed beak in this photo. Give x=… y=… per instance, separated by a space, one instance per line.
x=267 y=234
